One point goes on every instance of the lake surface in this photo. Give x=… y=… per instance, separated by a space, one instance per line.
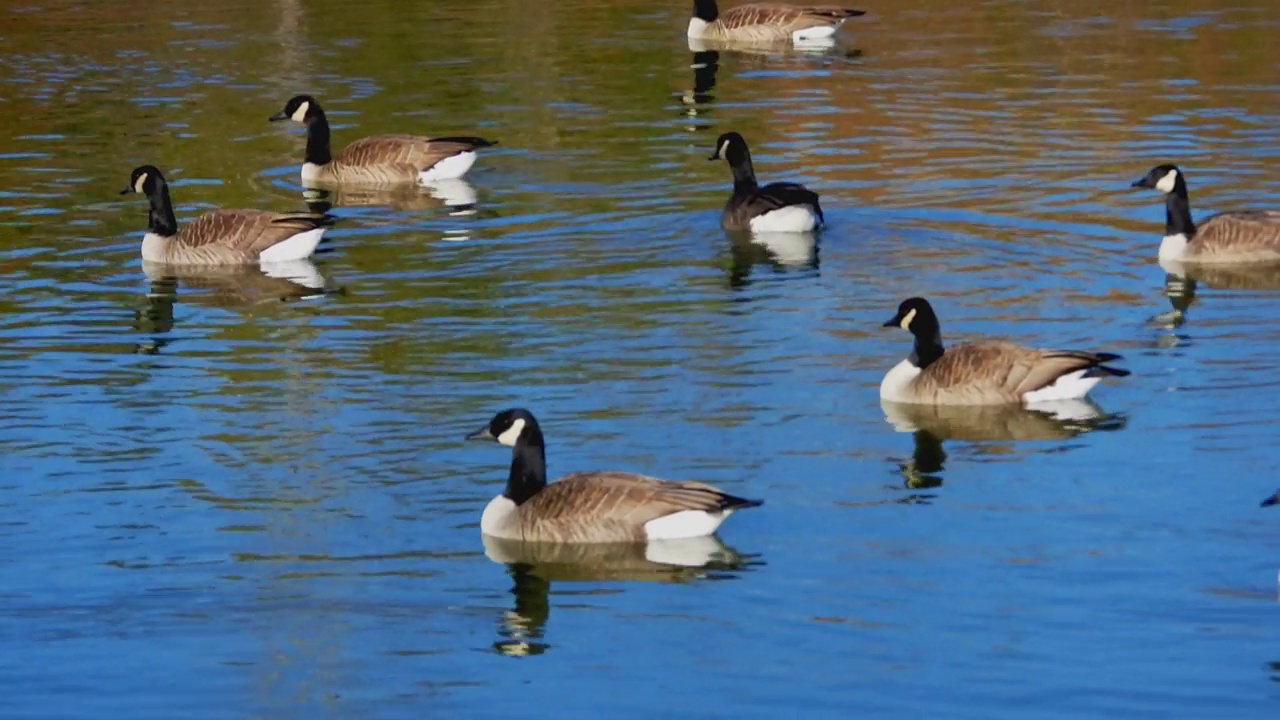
x=225 y=497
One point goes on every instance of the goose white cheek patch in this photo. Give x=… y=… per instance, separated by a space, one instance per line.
x=1166 y=183
x=511 y=434
x=906 y=319
x=300 y=115
x=142 y=180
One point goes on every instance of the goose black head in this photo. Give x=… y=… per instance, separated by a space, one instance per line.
x=706 y=10
x=1164 y=178
x=508 y=427
x=731 y=147
x=143 y=180
x=915 y=315
x=300 y=108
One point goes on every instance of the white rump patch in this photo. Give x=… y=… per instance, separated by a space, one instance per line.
x=496 y=513
x=688 y=552
x=1173 y=247
x=820 y=32
x=685 y=524
x=294 y=247
x=896 y=385
x=300 y=115
x=511 y=434
x=697 y=27
x=1166 y=183
x=792 y=218
x=1071 y=386
x=450 y=168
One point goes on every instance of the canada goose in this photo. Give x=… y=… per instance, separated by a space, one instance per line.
x=776 y=207
x=592 y=507
x=381 y=159
x=985 y=372
x=221 y=237
x=1273 y=500
x=767 y=22
x=1240 y=236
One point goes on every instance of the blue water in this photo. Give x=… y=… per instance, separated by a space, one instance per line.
x=227 y=497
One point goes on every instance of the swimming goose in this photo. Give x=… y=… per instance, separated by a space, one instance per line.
x=381 y=159
x=985 y=372
x=221 y=237
x=767 y=22
x=1240 y=236
x=776 y=207
x=592 y=507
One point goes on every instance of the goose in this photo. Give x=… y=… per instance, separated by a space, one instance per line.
x=1240 y=236
x=592 y=507
x=985 y=372
x=776 y=207
x=221 y=237
x=767 y=22
x=1274 y=499
x=381 y=159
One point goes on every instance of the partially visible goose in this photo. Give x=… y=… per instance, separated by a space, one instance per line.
x=776 y=207
x=221 y=237
x=381 y=159
x=985 y=372
x=1240 y=236
x=767 y=22
x=592 y=507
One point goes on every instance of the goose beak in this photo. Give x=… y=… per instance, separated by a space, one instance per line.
x=715 y=155
x=126 y=191
x=892 y=322
x=482 y=434
x=282 y=115
x=1273 y=500
x=1140 y=183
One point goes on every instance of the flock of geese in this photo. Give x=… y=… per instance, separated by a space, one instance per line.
x=620 y=507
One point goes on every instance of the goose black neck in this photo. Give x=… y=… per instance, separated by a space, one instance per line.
x=927 y=349
x=1177 y=211
x=161 y=220
x=744 y=174
x=318 y=137
x=528 y=467
x=706 y=10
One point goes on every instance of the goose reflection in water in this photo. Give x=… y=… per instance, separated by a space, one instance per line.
x=534 y=566
x=458 y=197
x=930 y=425
x=1181 y=282
x=698 y=99
x=780 y=252
x=225 y=286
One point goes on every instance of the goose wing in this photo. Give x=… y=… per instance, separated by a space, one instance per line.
x=249 y=232
x=779 y=195
x=995 y=371
x=418 y=153
x=1244 y=234
x=786 y=17
x=615 y=505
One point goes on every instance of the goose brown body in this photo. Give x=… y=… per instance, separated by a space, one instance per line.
x=609 y=506
x=390 y=159
x=767 y=23
x=997 y=372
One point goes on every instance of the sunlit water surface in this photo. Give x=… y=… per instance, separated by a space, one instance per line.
x=230 y=496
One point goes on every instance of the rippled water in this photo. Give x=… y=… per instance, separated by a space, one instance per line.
x=231 y=496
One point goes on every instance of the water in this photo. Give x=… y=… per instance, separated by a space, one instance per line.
x=224 y=497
